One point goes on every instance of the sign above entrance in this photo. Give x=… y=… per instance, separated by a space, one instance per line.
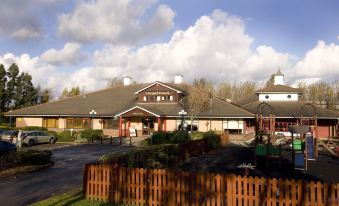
x=158 y=93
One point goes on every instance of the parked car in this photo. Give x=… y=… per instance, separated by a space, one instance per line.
x=36 y=137
x=6 y=147
x=9 y=136
x=1 y=131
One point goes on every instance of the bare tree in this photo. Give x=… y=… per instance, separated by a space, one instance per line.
x=194 y=103
x=115 y=81
x=204 y=85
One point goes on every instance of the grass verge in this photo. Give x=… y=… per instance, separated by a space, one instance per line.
x=73 y=198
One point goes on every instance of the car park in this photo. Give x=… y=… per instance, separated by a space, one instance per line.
x=36 y=137
x=6 y=147
x=9 y=136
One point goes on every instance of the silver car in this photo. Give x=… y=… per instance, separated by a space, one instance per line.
x=9 y=136
x=35 y=137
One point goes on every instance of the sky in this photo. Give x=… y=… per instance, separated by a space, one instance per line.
x=66 y=43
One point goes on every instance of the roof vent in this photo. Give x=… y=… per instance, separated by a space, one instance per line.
x=127 y=81
x=178 y=79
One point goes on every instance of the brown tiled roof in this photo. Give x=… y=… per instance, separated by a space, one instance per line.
x=112 y=101
x=105 y=102
x=247 y=99
x=279 y=89
x=287 y=109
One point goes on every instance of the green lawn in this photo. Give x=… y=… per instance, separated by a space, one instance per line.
x=73 y=198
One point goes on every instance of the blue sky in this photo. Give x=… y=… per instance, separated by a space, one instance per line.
x=51 y=38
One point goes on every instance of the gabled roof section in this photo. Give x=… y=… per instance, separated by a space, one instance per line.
x=155 y=113
x=160 y=83
x=279 y=89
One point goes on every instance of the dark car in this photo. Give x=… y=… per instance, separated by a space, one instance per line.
x=9 y=135
x=6 y=147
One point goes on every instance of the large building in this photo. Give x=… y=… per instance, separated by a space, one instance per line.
x=279 y=106
x=143 y=107
x=156 y=107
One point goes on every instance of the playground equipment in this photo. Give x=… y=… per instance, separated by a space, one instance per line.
x=265 y=143
x=302 y=146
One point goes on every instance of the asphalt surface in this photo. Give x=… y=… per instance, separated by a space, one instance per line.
x=65 y=175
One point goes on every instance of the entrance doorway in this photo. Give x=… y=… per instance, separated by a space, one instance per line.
x=147 y=126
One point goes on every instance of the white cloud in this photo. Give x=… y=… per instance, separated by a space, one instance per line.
x=71 y=54
x=26 y=32
x=321 y=62
x=21 y=20
x=119 y=21
x=215 y=47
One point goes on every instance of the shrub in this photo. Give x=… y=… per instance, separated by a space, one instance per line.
x=31 y=128
x=197 y=135
x=159 y=138
x=66 y=136
x=213 y=140
x=34 y=157
x=6 y=128
x=90 y=134
x=179 y=137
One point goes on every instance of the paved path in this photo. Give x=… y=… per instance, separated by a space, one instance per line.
x=65 y=175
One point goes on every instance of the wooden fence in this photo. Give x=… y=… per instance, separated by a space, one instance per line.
x=135 y=186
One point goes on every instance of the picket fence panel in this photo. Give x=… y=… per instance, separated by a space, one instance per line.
x=138 y=186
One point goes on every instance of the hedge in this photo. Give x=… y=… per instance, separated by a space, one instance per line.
x=156 y=156
x=22 y=158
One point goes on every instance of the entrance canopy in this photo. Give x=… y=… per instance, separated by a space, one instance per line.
x=138 y=111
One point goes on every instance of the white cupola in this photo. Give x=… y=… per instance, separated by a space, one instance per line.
x=178 y=79
x=279 y=78
x=127 y=81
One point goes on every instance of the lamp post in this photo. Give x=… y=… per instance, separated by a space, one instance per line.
x=182 y=113
x=92 y=113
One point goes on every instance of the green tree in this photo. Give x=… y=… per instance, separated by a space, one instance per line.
x=26 y=94
x=12 y=75
x=45 y=95
x=3 y=81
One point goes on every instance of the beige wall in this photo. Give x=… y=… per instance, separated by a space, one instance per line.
x=216 y=125
x=28 y=121
x=171 y=124
x=62 y=123
x=97 y=124
x=202 y=125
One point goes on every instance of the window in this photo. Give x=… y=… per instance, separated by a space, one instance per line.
x=145 y=98
x=158 y=98
x=50 y=122
x=111 y=123
x=171 y=98
x=266 y=97
x=78 y=123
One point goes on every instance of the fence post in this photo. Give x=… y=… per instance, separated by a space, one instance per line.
x=229 y=188
x=84 y=181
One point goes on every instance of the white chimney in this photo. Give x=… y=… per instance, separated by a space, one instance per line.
x=127 y=81
x=178 y=79
x=279 y=78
